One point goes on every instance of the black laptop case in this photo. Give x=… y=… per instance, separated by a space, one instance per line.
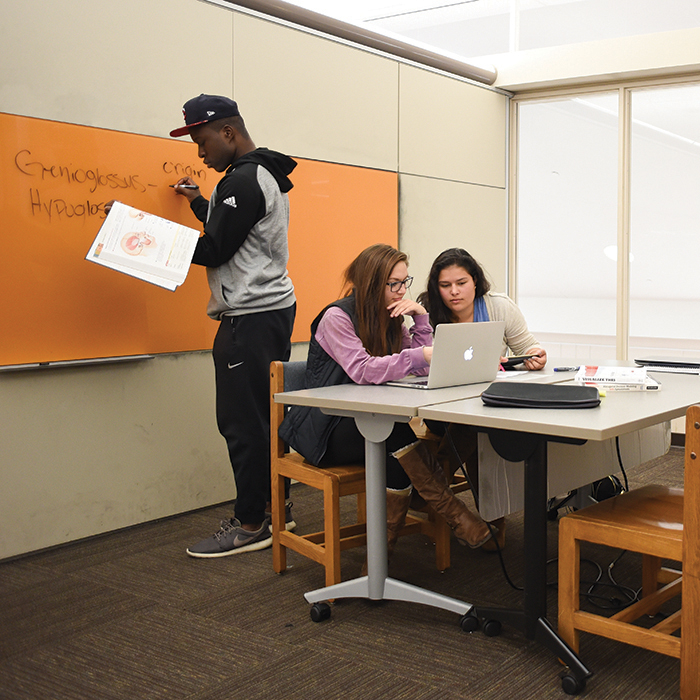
x=523 y=395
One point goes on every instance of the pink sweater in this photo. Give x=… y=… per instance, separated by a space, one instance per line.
x=336 y=335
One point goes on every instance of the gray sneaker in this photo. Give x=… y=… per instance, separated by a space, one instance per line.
x=232 y=539
x=289 y=523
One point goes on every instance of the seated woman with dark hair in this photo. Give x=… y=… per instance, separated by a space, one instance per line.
x=361 y=338
x=459 y=292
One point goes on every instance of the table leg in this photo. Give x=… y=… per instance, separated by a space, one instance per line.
x=375 y=485
x=377 y=585
x=532 y=619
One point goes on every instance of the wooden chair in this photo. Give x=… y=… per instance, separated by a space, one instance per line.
x=324 y=547
x=653 y=521
x=648 y=520
x=690 y=613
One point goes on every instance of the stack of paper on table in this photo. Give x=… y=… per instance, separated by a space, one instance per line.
x=144 y=246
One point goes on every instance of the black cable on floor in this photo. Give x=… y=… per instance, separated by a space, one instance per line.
x=626 y=595
x=622 y=466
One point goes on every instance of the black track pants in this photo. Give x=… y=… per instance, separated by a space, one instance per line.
x=243 y=349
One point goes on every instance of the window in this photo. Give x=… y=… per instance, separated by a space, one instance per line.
x=665 y=221
x=578 y=299
x=567 y=222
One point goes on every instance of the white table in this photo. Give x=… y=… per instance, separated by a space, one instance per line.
x=523 y=434
x=375 y=410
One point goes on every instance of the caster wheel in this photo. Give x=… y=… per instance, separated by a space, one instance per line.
x=320 y=612
x=492 y=628
x=572 y=685
x=469 y=623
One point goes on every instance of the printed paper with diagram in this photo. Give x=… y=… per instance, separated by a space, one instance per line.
x=144 y=246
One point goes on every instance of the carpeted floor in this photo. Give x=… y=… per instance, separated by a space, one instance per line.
x=128 y=616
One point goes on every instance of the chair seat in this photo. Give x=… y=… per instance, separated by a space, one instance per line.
x=649 y=509
x=351 y=478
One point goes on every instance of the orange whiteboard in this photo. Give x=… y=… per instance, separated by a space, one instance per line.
x=336 y=212
x=56 y=179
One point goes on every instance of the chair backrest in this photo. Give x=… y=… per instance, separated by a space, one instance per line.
x=284 y=376
x=294 y=375
x=691 y=488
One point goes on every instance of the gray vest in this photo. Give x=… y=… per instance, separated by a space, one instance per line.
x=305 y=428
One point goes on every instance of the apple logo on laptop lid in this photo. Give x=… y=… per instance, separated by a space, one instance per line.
x=469 y=353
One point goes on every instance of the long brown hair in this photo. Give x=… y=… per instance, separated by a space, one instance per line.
x=366 y=277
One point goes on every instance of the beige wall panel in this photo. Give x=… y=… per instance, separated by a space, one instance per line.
x=92 y=449
x=89 y=450
x=315 y=98
x=439 y=214
x=451 y=129
x=127 y=66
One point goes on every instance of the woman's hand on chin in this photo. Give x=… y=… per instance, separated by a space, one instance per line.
x=406 y=307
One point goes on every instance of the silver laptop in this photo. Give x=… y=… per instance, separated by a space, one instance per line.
x=676 y=365
x=463 y=353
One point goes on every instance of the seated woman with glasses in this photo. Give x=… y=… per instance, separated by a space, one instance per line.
x=361 y=338
x=458 y=292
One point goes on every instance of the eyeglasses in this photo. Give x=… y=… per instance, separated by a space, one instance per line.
x=395 y=286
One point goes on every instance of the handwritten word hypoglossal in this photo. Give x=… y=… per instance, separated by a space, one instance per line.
x=60 y=209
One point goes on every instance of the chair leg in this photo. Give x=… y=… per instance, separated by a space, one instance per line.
x=651 y=568
x=569 y=583
x=650 y=574
x=277 y=505
x=331 y=523
x=361 y=507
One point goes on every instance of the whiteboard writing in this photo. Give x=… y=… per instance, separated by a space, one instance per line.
x=70 y=174
x=43 y=204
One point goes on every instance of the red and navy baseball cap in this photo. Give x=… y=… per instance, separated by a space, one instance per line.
x=203 y=109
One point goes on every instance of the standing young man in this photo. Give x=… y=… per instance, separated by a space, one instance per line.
x=244 y=248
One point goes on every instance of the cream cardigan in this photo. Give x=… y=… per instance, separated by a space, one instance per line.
x=516 y=335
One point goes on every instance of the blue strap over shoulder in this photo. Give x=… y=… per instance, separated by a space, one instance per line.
x=480 y=311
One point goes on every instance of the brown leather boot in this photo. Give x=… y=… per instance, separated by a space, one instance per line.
x=490 y=546
x=417 y=501
x=427 y=476
x=396 y=509
x=467 y=445
x=397 y=503
x=465 y=442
